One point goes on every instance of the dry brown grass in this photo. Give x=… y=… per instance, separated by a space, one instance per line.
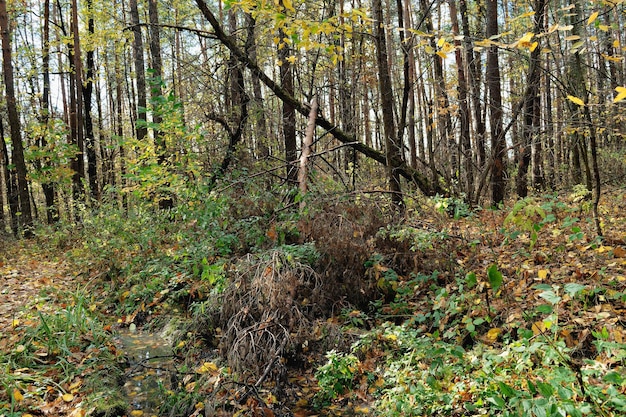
x=268 y=310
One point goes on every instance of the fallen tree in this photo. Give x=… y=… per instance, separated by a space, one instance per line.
x=427 y=187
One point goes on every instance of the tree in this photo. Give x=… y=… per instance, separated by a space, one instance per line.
x=531 y=103
x=288 y=110
x=25 y=218
x=393 y=148
x=141 y=129
x=492 y=76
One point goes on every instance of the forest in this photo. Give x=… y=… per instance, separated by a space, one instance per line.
x=306 y=208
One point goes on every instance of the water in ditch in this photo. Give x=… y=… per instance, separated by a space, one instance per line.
x=150 y=372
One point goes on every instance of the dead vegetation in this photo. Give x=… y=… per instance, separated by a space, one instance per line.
x=268 y=310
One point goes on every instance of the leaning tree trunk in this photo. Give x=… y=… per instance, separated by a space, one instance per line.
x=427 y=187
x=26 y=219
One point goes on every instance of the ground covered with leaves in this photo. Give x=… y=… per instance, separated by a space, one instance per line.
x=333 y=308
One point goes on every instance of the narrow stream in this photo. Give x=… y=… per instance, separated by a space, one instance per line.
x=150 y=371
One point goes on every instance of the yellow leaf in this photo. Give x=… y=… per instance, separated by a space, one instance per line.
x=575 y=100
x=533 y=46
x=180 y=344
x=442 y=54
x=17 y=395
x=572 y=38
x=20 y=348
x=68 y=397
x=27 y=415
x=440 y=42
x=543 y=273
x=539 y=327
x=15 y=323
x=207 y=367
x=603 y=28
x=288 y=5
x=199 y=406
x=136 y=413
x=592 y=18
x=621 y=94
x=492 y=335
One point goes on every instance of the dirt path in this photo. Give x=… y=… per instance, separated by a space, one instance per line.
x=28 y=284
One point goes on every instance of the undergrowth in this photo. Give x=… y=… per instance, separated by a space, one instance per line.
x=455 y=311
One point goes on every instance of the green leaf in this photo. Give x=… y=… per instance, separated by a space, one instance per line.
x=544 y=308
x=551 y=297
x=614 y=378
x=506 y=390
x=470 y=279
x=497 y=401
x=545 y=389
x=495 y=277
x=573 y=288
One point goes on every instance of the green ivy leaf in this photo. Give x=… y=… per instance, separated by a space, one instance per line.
x=495 y=277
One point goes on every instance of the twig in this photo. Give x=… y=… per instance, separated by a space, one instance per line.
x=268 y=368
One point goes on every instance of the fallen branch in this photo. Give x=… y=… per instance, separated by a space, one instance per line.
x=427 y=187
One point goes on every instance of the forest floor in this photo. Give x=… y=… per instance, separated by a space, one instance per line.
x=509 y=310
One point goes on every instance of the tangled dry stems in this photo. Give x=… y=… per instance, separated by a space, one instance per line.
x=268 y=310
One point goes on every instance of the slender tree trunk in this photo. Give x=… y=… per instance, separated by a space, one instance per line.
x=531 y=107
x=25 y=218
x=464 y=110
x=140 y=70
x=392 y=147
x=493 y=79
x=52 y=213
x=442 y=102
x=474 y=85
x=90 y=145
x=165 y=200
x=78 y=161
x=288 y=111
x=259 y=110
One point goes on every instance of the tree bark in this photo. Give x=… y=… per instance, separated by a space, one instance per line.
x=288 y=111
x=464 y=110
x=531 y=106
x=78 y=137
x=90 y=145
x=141 y=129
x=393 y=149
x=492 y=76
x=25 y=219
x=52 y=213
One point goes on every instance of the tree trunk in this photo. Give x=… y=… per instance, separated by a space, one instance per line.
x=140 y=70
x=288 y=111
x=165 y=199
x=90 y=145
x=425 y=186
x=492 y=76
x=259 y=110
x=52 y=213
x=78 y=161
x=464 y=116
x=393 y=149
x=474 y=85
x=531 y=107
x=25 y=218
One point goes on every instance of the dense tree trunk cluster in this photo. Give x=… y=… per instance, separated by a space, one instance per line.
x=475 y=100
